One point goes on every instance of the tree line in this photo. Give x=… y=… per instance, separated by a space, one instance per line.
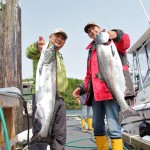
x=71 y=102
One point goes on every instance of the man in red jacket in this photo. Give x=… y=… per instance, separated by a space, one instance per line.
x=99 y=95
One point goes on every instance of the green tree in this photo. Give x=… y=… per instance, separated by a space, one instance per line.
x=71 y=102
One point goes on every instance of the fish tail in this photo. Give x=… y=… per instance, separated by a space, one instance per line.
x=38 y=139
x=127 y=113
x=35 y=139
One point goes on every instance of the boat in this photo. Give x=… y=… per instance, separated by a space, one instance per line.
x=140 y=73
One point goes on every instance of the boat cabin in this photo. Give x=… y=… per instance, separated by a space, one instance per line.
x=140 y=52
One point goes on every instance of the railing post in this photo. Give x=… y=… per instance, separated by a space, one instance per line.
x=10 y=50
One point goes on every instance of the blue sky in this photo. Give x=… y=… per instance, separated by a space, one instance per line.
x=42 y=17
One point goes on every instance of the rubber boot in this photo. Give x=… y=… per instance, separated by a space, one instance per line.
x=101 y=142
x=89 y=121
x=117 y=144
x=83 y=125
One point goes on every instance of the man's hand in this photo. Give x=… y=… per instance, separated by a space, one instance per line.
x=40 y=43
x=76 y=93
x=112 y=34
x=78 y=101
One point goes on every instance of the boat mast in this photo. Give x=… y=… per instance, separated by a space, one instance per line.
x=145 y=11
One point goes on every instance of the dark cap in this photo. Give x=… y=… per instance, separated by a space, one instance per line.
x=88 y=25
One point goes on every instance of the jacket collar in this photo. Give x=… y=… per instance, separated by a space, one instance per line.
x=90 y=45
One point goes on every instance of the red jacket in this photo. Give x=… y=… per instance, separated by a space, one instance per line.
x=99 y=88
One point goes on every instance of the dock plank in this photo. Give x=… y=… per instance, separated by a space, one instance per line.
x=137 y=142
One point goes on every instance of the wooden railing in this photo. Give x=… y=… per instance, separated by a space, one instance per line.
x=8 y=102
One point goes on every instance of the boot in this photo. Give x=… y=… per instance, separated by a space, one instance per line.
x=83 y=125
x=101 y=142
x=89 y=121
x=117 y=144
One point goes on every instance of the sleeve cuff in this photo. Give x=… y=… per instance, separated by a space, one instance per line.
x=82 y=89
x=119 y=35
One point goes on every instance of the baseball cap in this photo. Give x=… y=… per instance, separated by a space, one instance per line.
x=60 y=31
x=88 y=25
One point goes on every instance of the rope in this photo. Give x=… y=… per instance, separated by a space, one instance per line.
x=5 y=129
x=77 y=140
x=82 y=139
x=69 y=143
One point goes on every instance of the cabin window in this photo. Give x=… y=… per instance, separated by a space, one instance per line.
x=144 y=63
x=148 y=51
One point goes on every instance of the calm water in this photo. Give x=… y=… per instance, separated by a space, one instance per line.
x=74 y=112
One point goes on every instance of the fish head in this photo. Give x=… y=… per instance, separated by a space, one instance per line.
x=48 y=55
x=102 y=37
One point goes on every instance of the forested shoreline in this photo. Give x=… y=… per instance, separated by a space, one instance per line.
x=71 y=102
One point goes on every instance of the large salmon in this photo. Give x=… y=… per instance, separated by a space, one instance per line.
x=111 y=72
x=46 y=88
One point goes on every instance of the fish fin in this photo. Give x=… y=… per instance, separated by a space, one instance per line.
x=128 y=112
x=35 y=139
x=40 y=69
x=98 y=75
x=112 y=51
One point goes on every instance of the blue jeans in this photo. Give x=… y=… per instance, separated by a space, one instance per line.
x=86 y=111
x=110 y=109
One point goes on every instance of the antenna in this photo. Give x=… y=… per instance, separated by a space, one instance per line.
x=145 y=11
x=107 y=22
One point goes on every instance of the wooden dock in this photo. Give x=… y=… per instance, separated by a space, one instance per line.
x=76 y=139
x=136 y=141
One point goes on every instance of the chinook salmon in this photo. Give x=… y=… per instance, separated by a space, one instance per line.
x=111 y=72
x=45 y=89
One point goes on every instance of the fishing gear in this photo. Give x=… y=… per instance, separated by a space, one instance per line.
x=144 y=127
x=5 y=129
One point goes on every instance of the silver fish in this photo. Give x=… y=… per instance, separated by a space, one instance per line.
x=46 y=88
x=111 y=72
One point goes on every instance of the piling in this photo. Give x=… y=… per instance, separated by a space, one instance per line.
x=10 y=51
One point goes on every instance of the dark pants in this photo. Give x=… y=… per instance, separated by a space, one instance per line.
x=57 y=129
